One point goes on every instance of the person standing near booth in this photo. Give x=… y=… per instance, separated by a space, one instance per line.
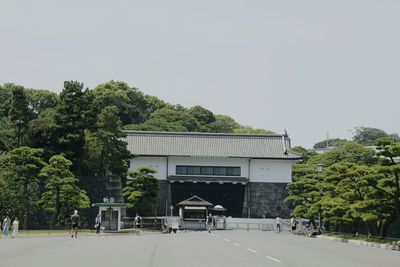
x=278 y=224
x=209 y=222
x=97 y=223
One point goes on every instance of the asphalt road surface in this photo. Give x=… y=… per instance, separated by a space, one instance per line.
x=220 y=248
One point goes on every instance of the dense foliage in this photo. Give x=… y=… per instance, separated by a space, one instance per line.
x=359 y=186
x=142 y=190
x=51 y=144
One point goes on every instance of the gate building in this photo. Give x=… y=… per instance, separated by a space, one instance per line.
x=246 y=174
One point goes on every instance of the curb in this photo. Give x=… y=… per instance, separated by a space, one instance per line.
x=357 y=242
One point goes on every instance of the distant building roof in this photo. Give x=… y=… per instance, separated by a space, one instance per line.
x=195 y=201
x=271 y=146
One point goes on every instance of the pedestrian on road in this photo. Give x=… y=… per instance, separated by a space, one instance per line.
x=138 y=223
x=75 y=222
x=6 y=226
x=15 y=227
x=293 y=223
x=278 y=224
x=209 y=222
x=97 y=223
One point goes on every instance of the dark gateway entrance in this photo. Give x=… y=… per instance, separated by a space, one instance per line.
x=229 y=195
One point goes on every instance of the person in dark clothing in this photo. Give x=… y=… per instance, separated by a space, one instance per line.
x=209 y=222
x=97 y=223
x=75 y=222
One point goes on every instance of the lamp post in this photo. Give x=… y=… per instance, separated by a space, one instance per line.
x=320 y=169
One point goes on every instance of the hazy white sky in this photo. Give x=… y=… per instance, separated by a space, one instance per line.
x=311 y=67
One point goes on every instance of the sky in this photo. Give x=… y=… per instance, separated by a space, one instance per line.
x=310 y=67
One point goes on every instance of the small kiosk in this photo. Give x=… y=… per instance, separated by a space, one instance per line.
x=194 y=211
x=219 y=217
x=110 y=214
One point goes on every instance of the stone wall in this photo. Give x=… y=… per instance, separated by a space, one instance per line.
x=266 y=199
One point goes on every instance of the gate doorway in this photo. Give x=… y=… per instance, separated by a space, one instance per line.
x=109 y=219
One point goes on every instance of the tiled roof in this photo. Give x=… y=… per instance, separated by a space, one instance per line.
x=210 y=145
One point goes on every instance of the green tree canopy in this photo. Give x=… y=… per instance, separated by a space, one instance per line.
x=367 y=136
x=336 y=142
x=21 y=172
x=105 y=152
x=62 y=194
x=142 y=191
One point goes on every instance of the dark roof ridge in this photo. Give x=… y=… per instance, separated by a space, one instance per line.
x=203 y=134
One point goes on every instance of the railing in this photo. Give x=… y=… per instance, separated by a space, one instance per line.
x=255 y=224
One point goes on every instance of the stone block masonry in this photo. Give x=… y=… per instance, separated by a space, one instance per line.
x=266 y=199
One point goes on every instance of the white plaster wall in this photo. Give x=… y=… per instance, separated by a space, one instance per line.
x=159 y=163
x=271 y=171
x=194 y=161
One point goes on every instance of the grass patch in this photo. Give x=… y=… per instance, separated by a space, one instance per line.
x=374 y=239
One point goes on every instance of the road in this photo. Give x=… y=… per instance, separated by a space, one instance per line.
x=220 y=248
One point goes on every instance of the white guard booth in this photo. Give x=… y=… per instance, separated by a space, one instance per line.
x=110 y=215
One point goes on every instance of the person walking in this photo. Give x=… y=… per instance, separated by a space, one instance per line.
x=97 y=223
x=15 y=227
x=75 y=222
x=293 y=223
x=209 y=222
x=278 y=224
x=138 y=223
x=6 y=226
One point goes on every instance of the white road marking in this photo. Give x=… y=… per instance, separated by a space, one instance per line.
x=237 y=244
x=226 y=239
x=251 y=250
x=271 y=258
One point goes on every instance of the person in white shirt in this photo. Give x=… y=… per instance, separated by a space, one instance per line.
x=278 y=224
x=15 y=227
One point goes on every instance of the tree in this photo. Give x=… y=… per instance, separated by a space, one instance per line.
x=343 y=186
x=202 y=115
x=40 y=100
x=42 y=132
x=330 y=143
x=134 y=106
x=249 y=130
x=5 y=99
x=389 y=184
x=19 y=112
x=21 y=169
x=367 y=136
x=222 y=124
x=169 y=118
x=72 y=119
x=6 y=134
x=142 y=191
x=350 y=152
x=105 y=152
x=61 y=191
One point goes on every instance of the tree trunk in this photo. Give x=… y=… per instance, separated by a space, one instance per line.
x=385 y=225
x=372 y=228
x=26 y=204
x=58 y=207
